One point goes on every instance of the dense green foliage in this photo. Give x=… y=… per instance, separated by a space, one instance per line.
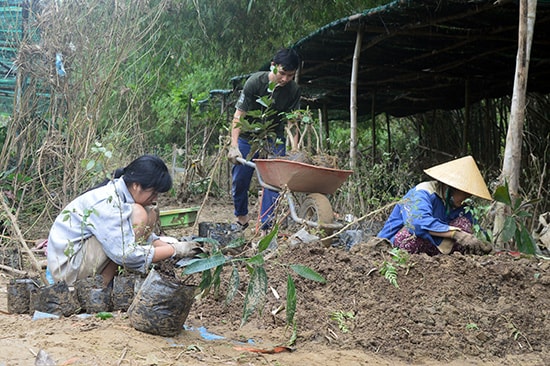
x=203 y=44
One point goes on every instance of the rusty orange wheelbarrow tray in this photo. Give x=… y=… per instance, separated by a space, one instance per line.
x=281 y=174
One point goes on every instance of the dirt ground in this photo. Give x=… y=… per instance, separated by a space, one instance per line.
x=454 y=310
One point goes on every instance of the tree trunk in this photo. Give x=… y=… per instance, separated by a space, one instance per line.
x=511 y=166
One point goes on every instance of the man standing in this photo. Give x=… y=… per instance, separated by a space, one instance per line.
x=283 y=93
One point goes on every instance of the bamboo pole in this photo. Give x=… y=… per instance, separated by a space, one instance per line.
x=466 y=125
x=353 y=100
x=373 y=127
x=388 y=132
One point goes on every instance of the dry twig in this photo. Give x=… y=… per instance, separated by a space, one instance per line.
x=35 y=265
x=372 y=213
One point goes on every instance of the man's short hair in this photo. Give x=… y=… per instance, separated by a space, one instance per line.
x=288 y=58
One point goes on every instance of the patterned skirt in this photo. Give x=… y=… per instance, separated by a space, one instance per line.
x=408 y=241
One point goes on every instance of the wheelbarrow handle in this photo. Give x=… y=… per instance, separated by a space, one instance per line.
x=243 y=161
x=260 y=180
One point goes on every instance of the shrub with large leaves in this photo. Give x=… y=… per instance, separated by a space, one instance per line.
x=515 y=222
x=211 y=268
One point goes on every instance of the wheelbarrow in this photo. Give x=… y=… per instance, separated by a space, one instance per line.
x=282 y=175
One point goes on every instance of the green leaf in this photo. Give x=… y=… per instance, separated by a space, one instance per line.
x=255 y=293
x=205 y=264
x=258 y=260
x=524 y=214
x=103 y=315
x=263 y=101
x=290 y=300
x=216 y=280
x=516 y=204
x=531 y=202
x=526 y=244
x=508 y=229
x=234 y=282
x=206 y=240
x=502 y=195
x=266 y=240
x=487 y=235
x=389 y=272
x=308 y=273
x=206 y=280
x=294 y=335
x=236 y=243
x=90 y=164
x=215 y=244
x=400 y=256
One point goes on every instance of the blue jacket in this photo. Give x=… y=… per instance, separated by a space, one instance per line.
x=422 y=210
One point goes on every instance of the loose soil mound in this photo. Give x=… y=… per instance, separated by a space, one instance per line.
x=446 y=307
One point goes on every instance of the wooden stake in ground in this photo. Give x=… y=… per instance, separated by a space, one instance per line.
x=216 y=163
x=35 y=265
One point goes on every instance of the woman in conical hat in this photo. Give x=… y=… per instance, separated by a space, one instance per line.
x=431 y=217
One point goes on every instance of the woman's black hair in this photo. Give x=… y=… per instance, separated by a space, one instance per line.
x=149 y=171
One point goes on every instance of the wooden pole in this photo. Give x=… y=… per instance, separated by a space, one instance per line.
x=187 y=133
x=327 y=127
x=466 y=126
x=353 y=100
x=373 y=127
x=388 y=132
x=321 y=141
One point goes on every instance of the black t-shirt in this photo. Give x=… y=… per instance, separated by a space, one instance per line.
x=285 y=99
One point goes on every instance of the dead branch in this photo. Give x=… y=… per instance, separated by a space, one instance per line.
x=372 y=213
x=35 y=265
x=13 y=270
x=216 y=163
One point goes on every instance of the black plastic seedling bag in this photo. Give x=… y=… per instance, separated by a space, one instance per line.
x=161 y=305
x=19 y=294
x=124 y=290
x=55 y=299
x=92 y=295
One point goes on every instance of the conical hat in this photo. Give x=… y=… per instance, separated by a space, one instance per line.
x=462 y=174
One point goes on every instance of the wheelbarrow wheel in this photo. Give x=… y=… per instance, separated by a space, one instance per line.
x=317 y=208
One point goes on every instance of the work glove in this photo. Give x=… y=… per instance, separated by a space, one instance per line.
x=184 y=249
x=233 y=154
x=472 y=244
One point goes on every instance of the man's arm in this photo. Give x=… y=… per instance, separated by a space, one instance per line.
x=235 y=129
x=234 y=151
